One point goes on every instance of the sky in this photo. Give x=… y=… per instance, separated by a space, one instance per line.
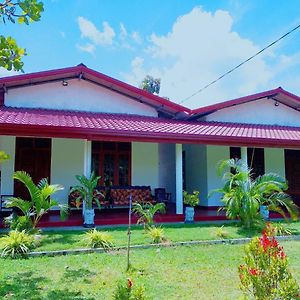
x=186 y=43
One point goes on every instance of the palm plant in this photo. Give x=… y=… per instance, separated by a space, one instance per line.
x=243 y=195
x=87 y=190
x=147 y=211
x=39 y=202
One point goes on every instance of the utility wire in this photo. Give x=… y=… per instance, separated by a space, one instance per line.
x=239 y=65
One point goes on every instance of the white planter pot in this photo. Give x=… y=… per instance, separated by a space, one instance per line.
x=189 y=214
x=264 y=212
x=89 y=215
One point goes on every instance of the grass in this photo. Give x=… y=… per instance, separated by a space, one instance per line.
x=60 y=240
x=197 y=272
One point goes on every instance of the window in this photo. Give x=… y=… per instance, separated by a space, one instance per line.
x=255 y=158
x=112 y=161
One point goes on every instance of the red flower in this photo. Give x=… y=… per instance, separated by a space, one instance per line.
x=129 y=283
x=253 y=272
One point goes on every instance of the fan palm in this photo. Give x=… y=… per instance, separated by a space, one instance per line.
x=242 y=195
x=147 y=211
x=39 y=202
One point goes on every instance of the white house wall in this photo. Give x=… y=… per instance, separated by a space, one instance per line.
x=167 y=168
x=145 y=167
x=274 y=161
x=262 y=111
x=7 y=144
x=196 y=170
x=78 y=95
x=67 y=161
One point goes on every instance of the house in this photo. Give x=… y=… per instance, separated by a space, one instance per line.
x=64 y=122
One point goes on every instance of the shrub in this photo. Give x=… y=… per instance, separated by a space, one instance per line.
x=147 y=211
x=191 y=199
x=220 y=232
x=16 y=244
x=128 y=292
x=265 y=274
x=38 y=204
x=243 y=195
x=156 y=234
x=98 y=239
x=280 y=229
x=19 y=223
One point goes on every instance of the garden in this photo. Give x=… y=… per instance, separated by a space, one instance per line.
x=243 y=259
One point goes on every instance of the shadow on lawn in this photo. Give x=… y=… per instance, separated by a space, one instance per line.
x=79 y=274
x=63 y=237
x=28 y=286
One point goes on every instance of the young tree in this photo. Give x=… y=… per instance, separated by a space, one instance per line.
x=150 y=84
x=22 y=11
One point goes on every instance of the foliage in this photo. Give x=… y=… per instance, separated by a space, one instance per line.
x=40 y=201
x=19 y=223
x=87 y=190
x=279 y=229
x=156 y=234
x=16 y=244
x=221 y=232
x=150 y=84
x=3 y=156
x=147 y=211
x=191 y=199
x=128 y=292
x=265 y=274
x=98 y=239
x=242 y=195
x=22 y=11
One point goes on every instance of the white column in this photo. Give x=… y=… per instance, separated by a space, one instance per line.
x=87 y=167
x=8 y=145
x=244 y=157
x=179 y=182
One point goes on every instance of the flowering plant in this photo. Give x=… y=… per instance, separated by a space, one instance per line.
x=128 y=292
x=265 y=274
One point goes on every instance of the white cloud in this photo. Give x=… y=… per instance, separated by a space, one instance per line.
x=89 y=48
x=136 y=37
x=199 y=48
x=123 y=31
x=89 y=30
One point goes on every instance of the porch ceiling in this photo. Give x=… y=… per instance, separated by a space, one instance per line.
x=119 y=127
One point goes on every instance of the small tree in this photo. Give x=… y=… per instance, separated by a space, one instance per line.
x=150 y=84
x=147 y=211
x=3 y=156
x=22 y=11
x=265 y=274
x=40 y=201
x=243 y=195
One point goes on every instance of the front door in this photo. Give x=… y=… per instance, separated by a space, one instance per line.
x=33 y=155
x=292 y=173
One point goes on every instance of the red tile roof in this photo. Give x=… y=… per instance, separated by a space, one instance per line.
x=120 y=127
x=278 y=95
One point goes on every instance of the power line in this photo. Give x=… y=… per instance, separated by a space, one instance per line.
x=239 y=65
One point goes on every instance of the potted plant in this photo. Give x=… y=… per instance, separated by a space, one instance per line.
x=88 y=194
x=190 y=200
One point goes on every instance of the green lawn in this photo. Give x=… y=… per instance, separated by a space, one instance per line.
x=195 y=272
x=59 y=240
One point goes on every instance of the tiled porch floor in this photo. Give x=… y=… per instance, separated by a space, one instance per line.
x=120 y=217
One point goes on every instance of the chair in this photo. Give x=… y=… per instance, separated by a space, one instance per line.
x=161 y=195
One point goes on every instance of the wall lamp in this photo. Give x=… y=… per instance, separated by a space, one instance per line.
x=276 y=103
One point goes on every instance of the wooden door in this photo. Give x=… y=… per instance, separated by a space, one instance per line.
x=292 y=173
x=33 y=155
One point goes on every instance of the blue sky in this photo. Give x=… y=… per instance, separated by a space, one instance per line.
x=186 y=43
